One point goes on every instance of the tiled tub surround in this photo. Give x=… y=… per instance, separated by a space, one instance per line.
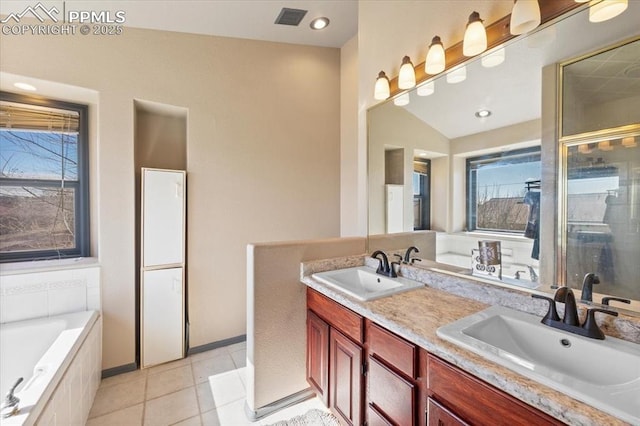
x=60 y=387
x=50 y=288
x=417 y=314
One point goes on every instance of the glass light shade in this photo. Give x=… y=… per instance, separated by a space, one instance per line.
x=457 y=75
x=475 y=36
x=381 y=90
x=401 y=100
x=584 y=149
x=426 y=89
x=525 y=16
x=606 y=9
x=25 y=86
x=629 y=142
x=494 y=58
x=605 y=146
x=407 y=75
x=435 y=62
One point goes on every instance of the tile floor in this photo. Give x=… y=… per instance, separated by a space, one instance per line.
x=203 y=389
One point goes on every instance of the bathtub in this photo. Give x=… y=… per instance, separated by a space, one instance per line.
x=60 y=360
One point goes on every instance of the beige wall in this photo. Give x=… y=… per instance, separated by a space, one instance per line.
x=277 y=314
x=263 y=155
x=389 y=127
x=352 y=207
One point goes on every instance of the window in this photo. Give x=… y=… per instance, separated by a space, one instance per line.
x=496 y=185
x=44 y=179
x=421 y=191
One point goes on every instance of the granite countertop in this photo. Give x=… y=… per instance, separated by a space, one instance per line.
x=417 y=314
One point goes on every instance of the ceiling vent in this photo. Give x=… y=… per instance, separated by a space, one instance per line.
x=290 y=16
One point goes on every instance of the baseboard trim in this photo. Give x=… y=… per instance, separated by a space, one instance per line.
x=218 y=344
x=114 y=371
x=278 y=405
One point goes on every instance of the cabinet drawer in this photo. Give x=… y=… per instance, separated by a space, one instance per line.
x=390 y=394
x=348 y=322
x=375 y=418
x=465 y=394
x=437 y=415
x=391 y=348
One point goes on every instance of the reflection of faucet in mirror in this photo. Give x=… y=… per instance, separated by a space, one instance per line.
x=606 y=300
x=407 y=254
x=587 y=286
x=532 y=274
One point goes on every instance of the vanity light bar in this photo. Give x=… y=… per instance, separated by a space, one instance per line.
x=495 y=35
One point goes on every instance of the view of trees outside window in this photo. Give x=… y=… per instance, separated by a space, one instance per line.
x=38 y=179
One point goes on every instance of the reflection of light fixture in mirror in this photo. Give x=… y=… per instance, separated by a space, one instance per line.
x=426 y=89
x=457 y=75
x=606 y=9
x=584 y=148
x=605 y=146
x=525 y=16
x=25 y=86
x=401 y=100
x=435 y=62
x=319 y=23
x=407 y=75
x=483 y=113
x=381 y=90
x=493 y=59
x=475 y=36
x=629 y=142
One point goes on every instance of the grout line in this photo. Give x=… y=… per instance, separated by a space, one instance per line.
x=195 y=387
x=144 y=400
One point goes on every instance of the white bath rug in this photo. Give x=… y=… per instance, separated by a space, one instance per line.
x=310 y=418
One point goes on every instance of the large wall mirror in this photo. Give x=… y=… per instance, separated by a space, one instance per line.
x=481 y=157
x=600 y=169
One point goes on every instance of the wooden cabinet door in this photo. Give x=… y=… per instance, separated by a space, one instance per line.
x=345 y=378
x=391 y=394
x=438 y=415
x=318 y=356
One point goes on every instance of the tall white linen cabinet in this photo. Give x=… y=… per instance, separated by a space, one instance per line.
x=162 y=272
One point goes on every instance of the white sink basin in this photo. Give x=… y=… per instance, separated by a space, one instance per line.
x=602 y=373
x=363 y=283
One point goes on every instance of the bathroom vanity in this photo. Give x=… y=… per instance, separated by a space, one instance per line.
x=381 y=362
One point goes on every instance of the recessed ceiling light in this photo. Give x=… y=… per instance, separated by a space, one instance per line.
x=25 y=86
x=483 y=113
x=319 y=23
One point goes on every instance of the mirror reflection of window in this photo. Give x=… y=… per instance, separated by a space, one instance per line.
x=496 y=188
x=603 y=228
x=421 y=194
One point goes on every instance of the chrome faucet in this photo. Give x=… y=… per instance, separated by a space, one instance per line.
x=570 y=321
x=517 y=274
x=532 y=274
x=384 y=267
x=10 y=404
x=587 y=286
